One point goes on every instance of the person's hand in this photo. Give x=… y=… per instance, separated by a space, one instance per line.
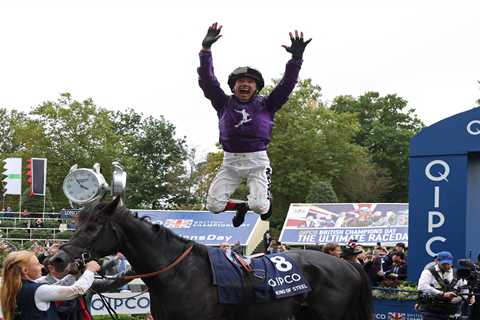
x=449 y=295
x=298 y=45
x=39 y=249
x=380 y=273
x=93 y=266
x=213 y=34
x=471 y=300
x=53 y=249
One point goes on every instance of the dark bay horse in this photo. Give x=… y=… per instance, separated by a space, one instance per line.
x=340 y=290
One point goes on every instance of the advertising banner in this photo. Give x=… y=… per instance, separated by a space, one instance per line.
x=122 y=303
x=39 y=176
x=203 y=226
x=69 y=213
x=369 y=223
x=395 y=310
x=443 y=192
x=13 y=173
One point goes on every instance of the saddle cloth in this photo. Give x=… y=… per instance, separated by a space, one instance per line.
x=273 y=276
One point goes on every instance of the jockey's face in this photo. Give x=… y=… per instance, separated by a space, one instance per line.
x=244 y=89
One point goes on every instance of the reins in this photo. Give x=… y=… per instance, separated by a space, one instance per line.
x=164 y=269
x=113 y=314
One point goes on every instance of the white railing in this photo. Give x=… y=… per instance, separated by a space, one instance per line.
x=20 y=227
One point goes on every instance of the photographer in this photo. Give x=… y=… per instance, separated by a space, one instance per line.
x=441 y=294
x=376 y=265
x=471 y=273
x=398 y=269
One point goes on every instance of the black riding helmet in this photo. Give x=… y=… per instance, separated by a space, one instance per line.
x=247 y=72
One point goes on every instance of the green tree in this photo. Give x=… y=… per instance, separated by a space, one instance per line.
x=364 y=181
x=69 y=132
x=386 y=127
x=10 y=146
x=154 y=159
x=202 y=176
x=9 y=120
x=310 y=143
x=321 y=192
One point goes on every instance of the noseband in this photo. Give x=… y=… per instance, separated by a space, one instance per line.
x=86 y=254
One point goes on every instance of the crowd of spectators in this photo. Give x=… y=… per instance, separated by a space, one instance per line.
x=273 y=245
x=384 y=267
x=7 y=213
x=25 y=213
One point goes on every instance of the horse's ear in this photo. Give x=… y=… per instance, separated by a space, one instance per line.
x=112 y=206
x=155 y=227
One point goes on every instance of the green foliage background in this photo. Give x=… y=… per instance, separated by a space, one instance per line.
x=354 y=149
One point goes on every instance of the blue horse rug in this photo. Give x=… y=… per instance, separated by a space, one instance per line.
x=273 y=276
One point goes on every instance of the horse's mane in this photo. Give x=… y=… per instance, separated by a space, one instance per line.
x=93 y=214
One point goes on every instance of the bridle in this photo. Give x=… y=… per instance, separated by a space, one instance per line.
x=87 y=256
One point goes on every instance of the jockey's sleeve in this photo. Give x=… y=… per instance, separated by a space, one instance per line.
x=46 y=293
x=284 y=88
x=209 y=83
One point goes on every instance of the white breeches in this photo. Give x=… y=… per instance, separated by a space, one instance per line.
x=252 y=166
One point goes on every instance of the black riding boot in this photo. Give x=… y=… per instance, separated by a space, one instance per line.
x=242 y=209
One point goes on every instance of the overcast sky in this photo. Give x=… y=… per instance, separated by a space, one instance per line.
x=144 y=55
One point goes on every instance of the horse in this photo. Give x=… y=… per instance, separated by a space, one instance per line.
x=340 y=289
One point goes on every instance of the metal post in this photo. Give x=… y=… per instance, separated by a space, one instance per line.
x=44 y=200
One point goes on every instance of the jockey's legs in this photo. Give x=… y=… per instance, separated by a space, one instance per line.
x=259 y=184
x=255 y=167
x=223 y=185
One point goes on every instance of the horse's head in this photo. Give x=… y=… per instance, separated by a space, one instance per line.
x=97 y=235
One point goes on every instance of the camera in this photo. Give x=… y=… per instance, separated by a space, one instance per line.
x=469 y=271
x=77 y=266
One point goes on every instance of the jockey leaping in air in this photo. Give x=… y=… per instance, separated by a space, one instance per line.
x=245 y=123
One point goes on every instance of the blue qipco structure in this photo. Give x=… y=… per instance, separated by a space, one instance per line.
x=444 y=191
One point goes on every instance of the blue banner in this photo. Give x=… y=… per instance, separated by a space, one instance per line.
x=444 y=189
x=203 y=226
x=395 y=310
x=69 y=213
x=369 y=223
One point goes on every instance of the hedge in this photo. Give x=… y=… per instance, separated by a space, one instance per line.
x=18 y=234
x=7 y=223
x=64 y=235
x=42 y=234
